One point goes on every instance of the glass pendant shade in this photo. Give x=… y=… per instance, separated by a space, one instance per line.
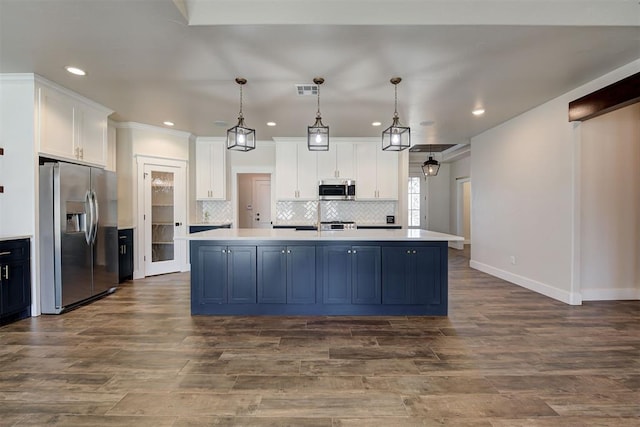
x=318 y=134
x=396 y=137
x=240 y=137
x=430 y=167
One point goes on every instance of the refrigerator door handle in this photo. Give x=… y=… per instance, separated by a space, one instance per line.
x=88 y=225
x=96 y=211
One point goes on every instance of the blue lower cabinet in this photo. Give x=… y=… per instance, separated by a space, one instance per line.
x=301 y=275
x=286 y=274
x=351 y=274
x=318 y=278
x=411 y=275
x=224 y=274
x=272 y=274
x=336 y=274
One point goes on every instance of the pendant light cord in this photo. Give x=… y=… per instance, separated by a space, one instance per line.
x=240 y=116
x=318 y=113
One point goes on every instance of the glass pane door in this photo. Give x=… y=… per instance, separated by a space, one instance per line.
x=162 y=216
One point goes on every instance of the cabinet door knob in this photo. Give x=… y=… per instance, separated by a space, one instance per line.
x=414 y=252
x=354 y=251
x=283 y=251
x=288 y=251
x=408 y=252
x=224 y=251
x=349 y=251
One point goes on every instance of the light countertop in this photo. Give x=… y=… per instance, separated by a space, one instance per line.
x=4 y=239
x=313 y=235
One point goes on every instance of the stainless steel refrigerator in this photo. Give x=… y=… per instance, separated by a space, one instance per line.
x=78 y=235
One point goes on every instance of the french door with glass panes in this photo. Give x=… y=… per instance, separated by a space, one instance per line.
x=164 y=218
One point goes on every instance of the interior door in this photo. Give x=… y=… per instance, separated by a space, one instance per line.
x=262 y=203
x=164 y=217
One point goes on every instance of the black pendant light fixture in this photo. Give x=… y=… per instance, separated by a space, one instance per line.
x=240 y=137
x=431 y=166
x=318 y=134
x=396 y=137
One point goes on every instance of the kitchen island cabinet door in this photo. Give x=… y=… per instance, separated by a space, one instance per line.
x=398 y=275
x=336 y=274
x=272 y=274
x=241 y=264
x=428 y=272
x=211 y=275
x=301 y=275
x=365 y=275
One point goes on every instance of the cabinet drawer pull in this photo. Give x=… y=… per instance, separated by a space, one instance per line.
x=5 y=276
x=5 y=253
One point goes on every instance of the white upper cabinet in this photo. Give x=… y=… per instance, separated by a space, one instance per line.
x=338 y=162
x=376 y=173
x=296 y=171
x=70 y=127
x=211 y=183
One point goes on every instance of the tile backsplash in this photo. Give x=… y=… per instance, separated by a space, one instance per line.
x=214 y=211
x=301 y=213
x=362 y=212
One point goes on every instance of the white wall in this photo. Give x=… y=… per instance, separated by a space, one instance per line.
x=438 y=200
x=460 y=169
x=135 y=139
x=524 y=194
x=610 y=206
x=18 y=166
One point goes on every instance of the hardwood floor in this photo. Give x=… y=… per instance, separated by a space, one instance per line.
x=504 y=356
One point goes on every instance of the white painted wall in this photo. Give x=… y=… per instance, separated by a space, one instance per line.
x=460 y=169
x=438 y=200
x=610 y=206
x=524 y=195
x=18 y=166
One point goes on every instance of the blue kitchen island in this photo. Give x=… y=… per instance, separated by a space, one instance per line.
x=308 y=272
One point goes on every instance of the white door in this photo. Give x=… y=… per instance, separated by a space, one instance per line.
x=164 y=217
x=261 y=203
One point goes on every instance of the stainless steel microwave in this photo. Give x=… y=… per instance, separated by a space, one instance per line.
x=337 y=190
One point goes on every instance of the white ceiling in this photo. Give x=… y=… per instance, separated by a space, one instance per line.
x=148 y=64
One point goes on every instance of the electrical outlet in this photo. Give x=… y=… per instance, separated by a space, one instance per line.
x=512 y=258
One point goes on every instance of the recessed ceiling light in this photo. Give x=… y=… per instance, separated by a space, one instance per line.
x=75 y=70
x=376 y=124
x=271 y=123
x=168 y=123
x=478 y=112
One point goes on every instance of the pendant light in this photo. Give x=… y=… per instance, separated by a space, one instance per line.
x=431 y=166
x=240 y=137
x=318 y=134
x=396 y=137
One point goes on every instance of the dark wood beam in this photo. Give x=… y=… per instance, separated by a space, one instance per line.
x=617 y=95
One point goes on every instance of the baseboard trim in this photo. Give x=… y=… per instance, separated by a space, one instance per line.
x=571 y=298
x=610 y=294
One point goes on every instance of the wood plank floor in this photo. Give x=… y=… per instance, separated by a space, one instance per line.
x=504 y=356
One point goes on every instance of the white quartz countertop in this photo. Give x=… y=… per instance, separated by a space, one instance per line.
x=6 y=238
x=291 y=234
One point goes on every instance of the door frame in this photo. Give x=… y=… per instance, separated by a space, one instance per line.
x=235 y=170
x=139 y=235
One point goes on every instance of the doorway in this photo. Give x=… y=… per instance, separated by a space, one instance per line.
x=254 y=200
x=162 y=214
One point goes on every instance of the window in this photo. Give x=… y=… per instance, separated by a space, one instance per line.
x=414 y=201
